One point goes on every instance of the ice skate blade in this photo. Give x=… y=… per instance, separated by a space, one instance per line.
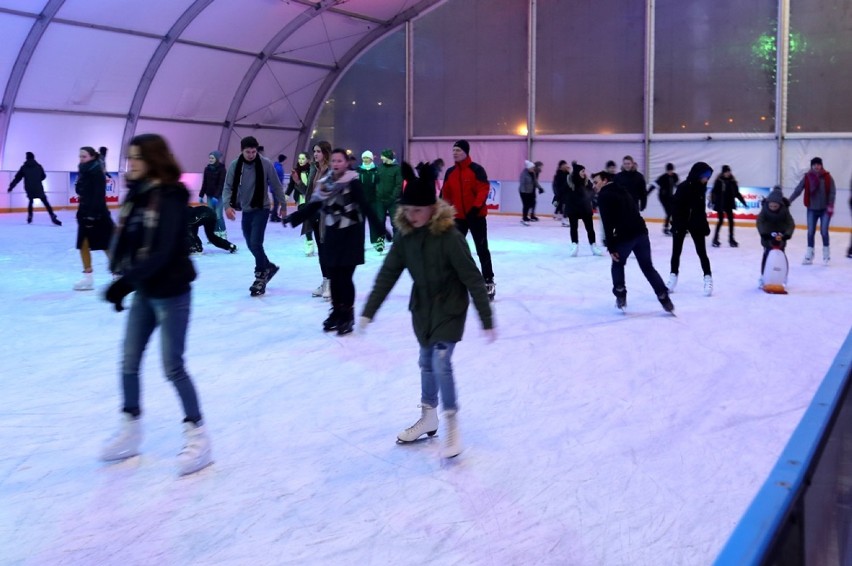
x=422 y=438
x=194 y=470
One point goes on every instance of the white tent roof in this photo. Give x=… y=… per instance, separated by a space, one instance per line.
x=204 y=73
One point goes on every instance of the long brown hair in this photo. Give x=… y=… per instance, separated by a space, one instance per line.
x=157 y=155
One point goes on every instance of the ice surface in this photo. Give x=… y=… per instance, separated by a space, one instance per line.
x=592 y=437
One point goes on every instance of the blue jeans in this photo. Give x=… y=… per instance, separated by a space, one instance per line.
x=436 y=374
x=823 y=218
x=219 y=206
x=172 y=316
x=639 y=246
x=254 y=229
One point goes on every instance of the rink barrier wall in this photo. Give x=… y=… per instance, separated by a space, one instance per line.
x=60 y=192
x=801 y=515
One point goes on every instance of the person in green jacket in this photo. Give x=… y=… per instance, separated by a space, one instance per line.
x=388 y=189
x=368 y=174
x=445 y=276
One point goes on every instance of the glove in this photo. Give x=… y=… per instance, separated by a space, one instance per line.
x=777 y=236
x=540 y=191
x=10 y=190
x=363 y=322
x=829 y=210
x=490 y=335
x=472 y=213
x=116 y=292
x=213 y=201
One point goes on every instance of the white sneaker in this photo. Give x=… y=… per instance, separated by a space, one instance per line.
x=573 y=250
x=708 y=285
x=826 y=255
x=452 y=441
x=196 y=453
x=596 y=250
x=672 y=282
x=125 y=444
x=426 y=424
x=809 y=257
x=87 y=283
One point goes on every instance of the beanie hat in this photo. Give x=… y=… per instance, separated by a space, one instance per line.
x=610 y=163
x=367 y=153
x=576 y=167
x=30 y=155
x=249 y=141
x=418 y=191
x=726 y=168
x=217 y=154
x=669 y=166
x=528 y=164
x=387 y=153
x=776 y=195
x=463 y=145
x=816 y=161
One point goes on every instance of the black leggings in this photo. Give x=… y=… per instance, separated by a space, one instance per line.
x=721 y=214
x=341 y=285
x=528 y=205
x=587 y=222
x=700 y=249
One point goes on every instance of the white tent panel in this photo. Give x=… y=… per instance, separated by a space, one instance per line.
x=753 y=162
x=62 y=76
x=57 y=138
x=13 y=30
x=247 y=26
x=151 y=16
x=195 y=83
x=190 y=143
x=31 y=6
x=835 y=157
x=281 y=94
x=325 y=39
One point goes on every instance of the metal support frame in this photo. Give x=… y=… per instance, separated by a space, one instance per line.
x=20 y=67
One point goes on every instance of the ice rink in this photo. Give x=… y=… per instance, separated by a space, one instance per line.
x=592 y=437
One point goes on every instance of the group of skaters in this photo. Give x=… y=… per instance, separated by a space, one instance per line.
x=148 y=251
x=576 y=197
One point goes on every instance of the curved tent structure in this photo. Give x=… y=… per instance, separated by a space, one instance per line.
x=202 y=72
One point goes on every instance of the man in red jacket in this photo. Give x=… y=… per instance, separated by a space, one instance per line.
x=466 y=187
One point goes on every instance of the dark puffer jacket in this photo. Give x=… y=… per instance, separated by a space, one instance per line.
x=445 y=276
x=690 y=209
x=32 y=174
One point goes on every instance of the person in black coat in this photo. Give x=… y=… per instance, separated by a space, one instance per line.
x=666 y=184
x=212 y=183
x=625 y=233
x=339 y=198
x=150 y=253
x=560 y=186
x=725 y=192
x=633 y=181
x=205 y=217
x=33 y=174
x=690 y=217
x=94 y=223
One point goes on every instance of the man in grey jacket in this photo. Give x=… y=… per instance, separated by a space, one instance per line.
x=246 y=190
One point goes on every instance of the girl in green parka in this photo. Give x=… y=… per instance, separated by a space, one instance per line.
x=439 y=261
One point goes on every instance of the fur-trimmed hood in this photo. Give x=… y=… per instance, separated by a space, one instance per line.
x=440 y=222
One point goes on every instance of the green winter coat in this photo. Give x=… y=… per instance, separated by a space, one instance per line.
x=439 y=261
x=389 y=183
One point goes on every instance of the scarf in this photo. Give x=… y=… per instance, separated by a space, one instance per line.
x=150 y=219
x=338 y=210
x=259 y=184
x=812 y=184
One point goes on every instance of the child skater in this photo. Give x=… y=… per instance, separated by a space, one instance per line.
x=775 y=225
x=440 y=264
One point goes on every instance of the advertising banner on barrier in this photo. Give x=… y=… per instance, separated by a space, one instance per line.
x=753 y=197
x=111 y=188
x=493 y=200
